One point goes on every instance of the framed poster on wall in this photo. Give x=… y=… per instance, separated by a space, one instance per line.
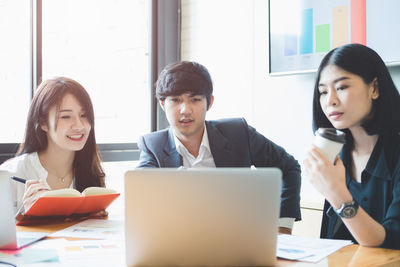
x=301 y=32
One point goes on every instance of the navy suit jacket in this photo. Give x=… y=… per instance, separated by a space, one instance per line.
x=233 y=143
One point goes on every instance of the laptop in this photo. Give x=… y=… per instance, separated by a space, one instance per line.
x=9 y=238
x=202 y=217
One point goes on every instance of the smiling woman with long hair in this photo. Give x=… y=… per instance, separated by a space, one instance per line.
x=59 y=150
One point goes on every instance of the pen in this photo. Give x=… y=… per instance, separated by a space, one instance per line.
x=18 y=179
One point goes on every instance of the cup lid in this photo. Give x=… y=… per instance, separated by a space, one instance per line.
x=332 y=134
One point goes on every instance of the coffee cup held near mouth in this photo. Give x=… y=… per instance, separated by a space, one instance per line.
x=330 y=141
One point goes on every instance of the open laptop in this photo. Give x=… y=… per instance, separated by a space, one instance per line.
x=202 y=217
x=9 y=238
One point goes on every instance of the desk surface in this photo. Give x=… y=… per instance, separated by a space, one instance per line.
x=353 y=255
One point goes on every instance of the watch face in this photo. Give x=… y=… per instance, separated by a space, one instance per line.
x=348 y=212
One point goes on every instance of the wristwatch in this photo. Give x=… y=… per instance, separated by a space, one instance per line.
x=348 y=210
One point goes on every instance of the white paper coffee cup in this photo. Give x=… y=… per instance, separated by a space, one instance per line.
x=330 y=141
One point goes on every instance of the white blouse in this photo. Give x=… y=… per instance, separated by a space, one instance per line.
x=26 y=166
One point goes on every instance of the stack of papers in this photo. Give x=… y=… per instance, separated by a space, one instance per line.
x=94 y=229
x=307 y=249
x=62 y=252
x=85 y=253
x=102 y=243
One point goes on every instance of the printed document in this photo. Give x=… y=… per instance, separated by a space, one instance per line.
x=307 y=248
x=96 y=229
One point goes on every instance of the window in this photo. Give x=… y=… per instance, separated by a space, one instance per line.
x=104 y=45
x=15 y=69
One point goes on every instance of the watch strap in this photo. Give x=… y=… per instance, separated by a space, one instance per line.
x=348 y=210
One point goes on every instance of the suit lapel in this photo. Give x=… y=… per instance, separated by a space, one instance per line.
x=220 y=147
x=172 y=157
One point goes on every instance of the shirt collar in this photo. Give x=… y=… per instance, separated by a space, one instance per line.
x=204 y=142
x=377 y=164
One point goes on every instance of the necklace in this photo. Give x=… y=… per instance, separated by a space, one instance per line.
x=62 y=179
x=59 y=179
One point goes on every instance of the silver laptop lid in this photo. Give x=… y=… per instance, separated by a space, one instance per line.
x=207 y=217
x=8 y=239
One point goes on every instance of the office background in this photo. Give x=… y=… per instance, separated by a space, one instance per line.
x=118 y=60
x=234 y=46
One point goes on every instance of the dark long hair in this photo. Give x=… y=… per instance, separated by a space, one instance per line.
x=86 y=166
x=366 y=63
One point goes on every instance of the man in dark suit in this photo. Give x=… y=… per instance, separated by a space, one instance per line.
x=184 y=91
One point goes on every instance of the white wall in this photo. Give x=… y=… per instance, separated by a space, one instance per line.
x=230 y=37
x=282 y=104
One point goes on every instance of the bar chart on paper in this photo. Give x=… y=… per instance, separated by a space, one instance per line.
x=302 y=32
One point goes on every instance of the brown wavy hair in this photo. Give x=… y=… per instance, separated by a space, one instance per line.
x=86 y=166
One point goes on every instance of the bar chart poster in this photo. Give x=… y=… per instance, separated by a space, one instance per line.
x=301 y=32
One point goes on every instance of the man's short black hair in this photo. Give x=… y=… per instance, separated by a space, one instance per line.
x=184 y=77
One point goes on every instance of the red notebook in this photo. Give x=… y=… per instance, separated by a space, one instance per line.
x=58 y=204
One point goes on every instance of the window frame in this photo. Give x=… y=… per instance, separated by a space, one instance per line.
x=164 y=46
